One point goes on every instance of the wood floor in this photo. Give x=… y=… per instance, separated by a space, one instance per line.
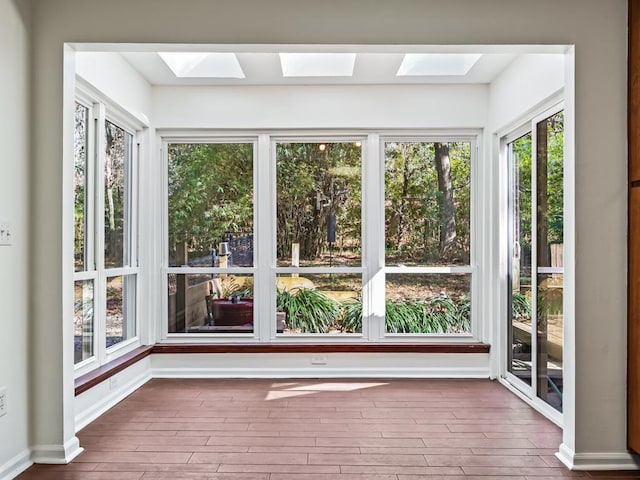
x=318 y=429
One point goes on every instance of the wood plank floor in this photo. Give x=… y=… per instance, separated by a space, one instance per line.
x=318 y=429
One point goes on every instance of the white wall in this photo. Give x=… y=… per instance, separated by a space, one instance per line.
x=14 y=207
x=113 y=76
x=597 y=28
x=94 y=402
x=301 y=365
x=523 y=85
x=299 y=107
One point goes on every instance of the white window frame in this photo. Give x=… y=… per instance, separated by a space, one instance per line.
x=321 y=270
x=90 y=271
x=102 y=109
x=470 y=269
x=372 y=269
x=196 y=138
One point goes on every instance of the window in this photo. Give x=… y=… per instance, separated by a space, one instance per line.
x=427 y=226
x=105 y=232
x=265 y=237
x=319 y=235
x=210 y=190
x=84 y=267
x=536 y=271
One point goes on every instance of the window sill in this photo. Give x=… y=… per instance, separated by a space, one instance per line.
x=322 y=348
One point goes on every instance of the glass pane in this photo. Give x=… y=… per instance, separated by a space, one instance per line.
x=520 y=327
x=428 y=303
x=320 y=303
x=549 y=234
x=206 y=303
x=319 y=204
x=80 y=145
x=427 y=203
x=211 y=205
x=121 y=309
x=550 y=194
x=550 y=334
x=83 y=325
x=116 y=197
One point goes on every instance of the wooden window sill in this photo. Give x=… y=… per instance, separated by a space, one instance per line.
x=167 y=348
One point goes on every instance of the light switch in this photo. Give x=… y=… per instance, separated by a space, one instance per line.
x=6 y=233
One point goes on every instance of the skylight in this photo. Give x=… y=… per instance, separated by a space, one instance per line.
x=437 y=64
x=203 y=64
x=317 y=64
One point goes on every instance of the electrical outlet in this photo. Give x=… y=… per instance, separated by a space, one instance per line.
x=318 y=360
x=6 y=233
x=3 y=401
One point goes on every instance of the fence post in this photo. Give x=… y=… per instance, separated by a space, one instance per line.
x=295 y=257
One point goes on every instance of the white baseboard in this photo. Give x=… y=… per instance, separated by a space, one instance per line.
x=105 y=402
x=16 y=465
x=598 y=461
x=292 y=372
x=57 y=454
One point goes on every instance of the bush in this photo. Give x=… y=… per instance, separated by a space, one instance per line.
x=308 y=310
x=352 y=316
x=439 y=314
x=521 y=306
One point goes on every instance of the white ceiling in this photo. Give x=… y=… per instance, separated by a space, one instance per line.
x=371 y=67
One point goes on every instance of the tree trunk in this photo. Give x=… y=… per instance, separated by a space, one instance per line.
x=405 y=193
x=447 y=210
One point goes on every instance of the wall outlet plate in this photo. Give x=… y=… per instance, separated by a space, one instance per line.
x=3 y=401
x=318 y=360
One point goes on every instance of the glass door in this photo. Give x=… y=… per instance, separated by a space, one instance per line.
x=536 y=267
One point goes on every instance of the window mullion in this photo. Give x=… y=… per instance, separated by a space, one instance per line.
x=98 y=229
x=534 y=260
x=164 y=250
x=264 y=211
x=476 y=242
x=373 y=300
x=135 y=196
x=90 y=195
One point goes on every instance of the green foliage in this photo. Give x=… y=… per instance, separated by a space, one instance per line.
x=438 y=314
x=352 y=315
x=554 y=164
x=306 y=174
x=80 y=167
x=117 y=165
x=521 y=305
x=555 y=178
x=451 y=316
x=521 y=153
x=413 y=202
x=308 y=310
x=406 y=317
x=210 y=190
